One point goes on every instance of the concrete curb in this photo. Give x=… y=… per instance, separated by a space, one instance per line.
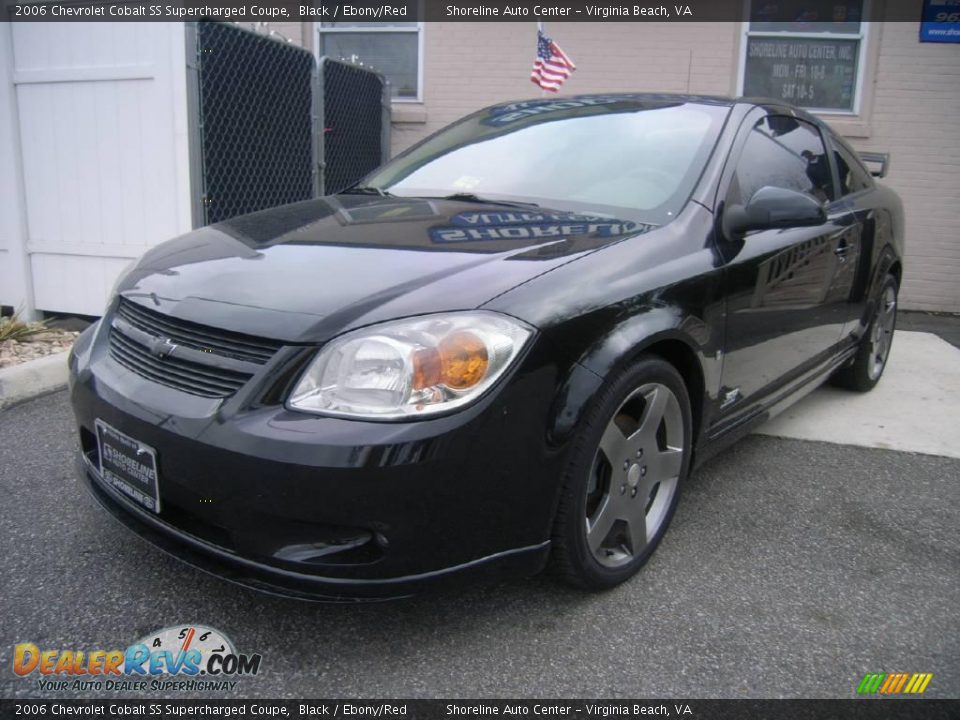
x=31 y=379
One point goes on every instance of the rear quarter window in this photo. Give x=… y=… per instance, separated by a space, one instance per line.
x=853 y=175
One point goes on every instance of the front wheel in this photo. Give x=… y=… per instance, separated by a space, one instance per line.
x=624 y=477
x=871 y=358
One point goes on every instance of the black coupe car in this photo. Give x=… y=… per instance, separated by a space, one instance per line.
x=505 y=348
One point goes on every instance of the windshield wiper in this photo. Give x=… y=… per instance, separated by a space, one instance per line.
x=366 y=190
x=472 y=197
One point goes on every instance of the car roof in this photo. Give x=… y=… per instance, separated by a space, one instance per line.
x=641 y=97
x=665 y=97
x=638 y=97
x=770 y=104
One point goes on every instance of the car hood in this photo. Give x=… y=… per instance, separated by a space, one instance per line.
x=304 y=272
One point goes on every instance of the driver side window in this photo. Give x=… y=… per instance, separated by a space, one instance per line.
x=783 y=152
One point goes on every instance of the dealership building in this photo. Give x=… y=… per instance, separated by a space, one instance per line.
x=888 y=87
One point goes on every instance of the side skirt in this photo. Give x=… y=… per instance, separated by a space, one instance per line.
x=724 y=433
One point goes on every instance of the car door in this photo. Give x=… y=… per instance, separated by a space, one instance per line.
x=855 y=210
x=785 y=307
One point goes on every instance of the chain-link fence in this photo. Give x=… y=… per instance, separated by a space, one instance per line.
x=256 y=115
x=268 y=128
x=355 y=121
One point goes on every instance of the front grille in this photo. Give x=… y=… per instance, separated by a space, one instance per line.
x=199 y=337
x=132 y=349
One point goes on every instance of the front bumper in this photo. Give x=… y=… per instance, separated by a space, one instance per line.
x=280 y=581
x=327 y=508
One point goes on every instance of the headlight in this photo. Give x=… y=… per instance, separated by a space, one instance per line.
x=410 y=368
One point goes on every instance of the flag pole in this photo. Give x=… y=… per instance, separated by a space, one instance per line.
x=543 y=93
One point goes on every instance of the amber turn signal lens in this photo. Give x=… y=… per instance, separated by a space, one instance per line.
x=463 y=360
x=459 y=362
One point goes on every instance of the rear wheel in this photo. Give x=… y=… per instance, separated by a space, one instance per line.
x=623 y=481
x=871 y=358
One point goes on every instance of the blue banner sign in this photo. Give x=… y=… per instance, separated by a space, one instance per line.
x=940 y=21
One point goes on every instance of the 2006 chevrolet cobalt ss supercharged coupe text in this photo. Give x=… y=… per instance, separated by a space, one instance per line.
x=506 y=347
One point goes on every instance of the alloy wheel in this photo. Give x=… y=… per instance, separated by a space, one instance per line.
x=634 y=475
x=881 y=334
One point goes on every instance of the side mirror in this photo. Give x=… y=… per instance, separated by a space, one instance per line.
x=771 y=208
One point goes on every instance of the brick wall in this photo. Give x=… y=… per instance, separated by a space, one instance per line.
x=916 y=107
x=470 y=65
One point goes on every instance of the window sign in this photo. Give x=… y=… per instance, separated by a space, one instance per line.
x=810 y=72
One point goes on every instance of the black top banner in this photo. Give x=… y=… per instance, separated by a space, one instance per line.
x=836 y=13
x=196 y=709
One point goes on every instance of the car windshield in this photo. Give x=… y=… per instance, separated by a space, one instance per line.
x=612 y=155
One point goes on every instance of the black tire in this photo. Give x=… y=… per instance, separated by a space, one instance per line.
x=867 y=367
x=632 y=395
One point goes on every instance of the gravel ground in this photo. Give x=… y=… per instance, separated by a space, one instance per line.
x=13 y=352
x=792 y=569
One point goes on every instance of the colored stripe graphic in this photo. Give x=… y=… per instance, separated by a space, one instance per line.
x=894 y=683
x=870 y=683
x=888 y=684
x=920 y=682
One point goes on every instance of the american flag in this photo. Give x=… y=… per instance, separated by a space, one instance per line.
x=552 y=66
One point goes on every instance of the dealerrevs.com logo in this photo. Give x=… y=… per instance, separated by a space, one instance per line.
x=176 y=658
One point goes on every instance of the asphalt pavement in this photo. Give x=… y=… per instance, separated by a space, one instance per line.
x=792 y=568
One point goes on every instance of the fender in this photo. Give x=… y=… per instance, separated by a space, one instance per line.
x=887 y=258
x=620 y=346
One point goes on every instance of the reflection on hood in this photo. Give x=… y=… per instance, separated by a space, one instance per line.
x=527 y=227
x=429 y=225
